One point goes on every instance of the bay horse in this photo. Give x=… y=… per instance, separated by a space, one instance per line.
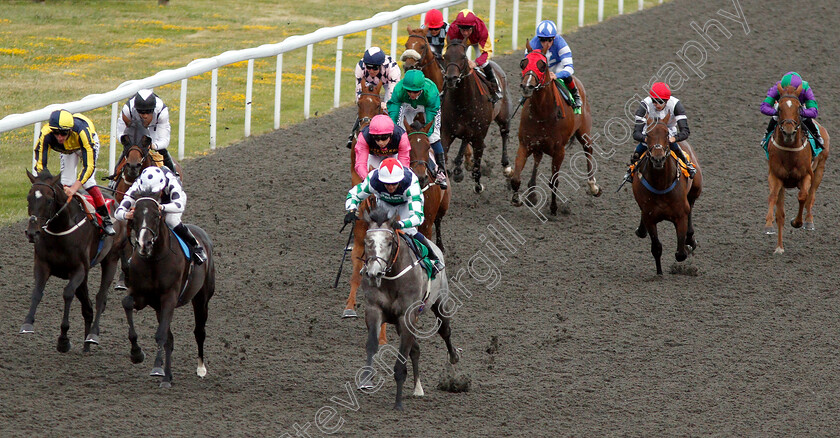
x=435 y=200
x=161 y=276
x=369 y=105
x=664 y=192
x=466 y=111
x=547 y=125
x=396 y=292
x=418 y=55
x=67 y=244
x=790 y=165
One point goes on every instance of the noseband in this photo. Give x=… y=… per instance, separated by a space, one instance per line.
x=47 y=221
x=394 y=239
x=462 y=72
x=419 y=65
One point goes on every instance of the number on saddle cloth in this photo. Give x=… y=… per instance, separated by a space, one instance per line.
x=184 y=245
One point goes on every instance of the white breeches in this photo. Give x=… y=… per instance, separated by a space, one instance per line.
x=70 y=166
x=172 y=219
x=408 y=113
x=375 y=161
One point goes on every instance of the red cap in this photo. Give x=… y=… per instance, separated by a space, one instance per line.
x=434 y=19
x=660 y=90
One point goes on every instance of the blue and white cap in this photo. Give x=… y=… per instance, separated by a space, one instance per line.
x=546 y=29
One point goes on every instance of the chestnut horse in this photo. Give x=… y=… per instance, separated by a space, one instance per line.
x=466 y=111
x=67 y=244
x=422 y=58
x=543 y=131
x=791 y=165
x=663 y=192
x=435 y=200
x=369 y=105
x=161 y=276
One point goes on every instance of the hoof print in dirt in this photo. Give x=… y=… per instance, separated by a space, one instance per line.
x=683 y=269
x=457 y=383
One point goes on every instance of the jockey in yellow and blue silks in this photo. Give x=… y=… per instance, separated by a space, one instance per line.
x=396 y=189
x=809 y=112
x=659 y=104
x=559 y=56
x=74 y=137
x=418 y=94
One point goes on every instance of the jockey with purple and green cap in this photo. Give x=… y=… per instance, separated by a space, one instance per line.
x=808 y=112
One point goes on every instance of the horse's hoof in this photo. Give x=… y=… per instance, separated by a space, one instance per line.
x=508 y=171
x=27 y=328
x=680 y=256
x=92 y=339
x=64 y=346
x=479 y=187
x=157 y=372
x=201 y=370
x=138 y=357
x=779 y=250
x=769 y=230
x=398 y=406
x=366 y=384
x=795 y=224
x=349 y=313
x=457 y=174
x=454 y=358
x=809 y=226
x=418 y=389
x=515 y=200
x=166 y=384
x=598 y=193
x=120 y=286
x=641 y=232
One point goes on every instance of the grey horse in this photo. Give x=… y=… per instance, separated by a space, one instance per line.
x=397 y=290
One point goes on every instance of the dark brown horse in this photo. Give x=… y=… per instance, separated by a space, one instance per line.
x=417 y=46
x=137 y=155
x=397 y=291
x=161 y=276
x=664 y=192
x=547 y=125
x=790 y=165
x=435 y=200
x=466 y=111
x=67 y=245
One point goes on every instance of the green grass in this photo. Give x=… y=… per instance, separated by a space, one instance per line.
x=61 y=51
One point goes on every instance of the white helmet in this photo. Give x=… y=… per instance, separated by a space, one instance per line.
x=152 y=180
x=391 y=171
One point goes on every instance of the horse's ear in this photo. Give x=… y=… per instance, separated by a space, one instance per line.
x=30 y=175
x=378 y=88
x=798 y=90
x=409 y=29
x=406 y=125
x=56 y=180
x=666 y=119
x=528 y=46
x=428 y=126
x=780 y=89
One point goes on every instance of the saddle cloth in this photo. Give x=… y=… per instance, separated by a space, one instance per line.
x=815 y=149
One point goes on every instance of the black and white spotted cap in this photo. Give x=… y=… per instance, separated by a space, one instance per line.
x=152 y=179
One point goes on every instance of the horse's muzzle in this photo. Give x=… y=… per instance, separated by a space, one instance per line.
x=527 y=90
x=33 y=230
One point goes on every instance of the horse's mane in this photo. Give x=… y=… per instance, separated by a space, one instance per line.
x=418 y=123
x=379 y=215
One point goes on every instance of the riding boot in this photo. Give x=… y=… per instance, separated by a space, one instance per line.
x=107 y=226
x=167 y=161
x=198 y=251
x=770 y=127
x=633 y=160
x=353 y=133
x=436 y=262
x=495 y=90
x=812 y=127
x=440 y=159
x=570 y=84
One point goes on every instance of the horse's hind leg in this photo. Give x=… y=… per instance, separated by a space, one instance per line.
x=812 y=195
x=504 y=131
x=772 y=199
x=87 y=311
x=780 y=221
x=583 y=137
x=804 y=192
x=137 y=354
x=438 y=240
x=445 y=331
x=109 y=270
x=200 y=311
x=689 y=235
x=164 y=316
x=42 y=274
x=478 y=151
x=76 y=279
x=415 y=368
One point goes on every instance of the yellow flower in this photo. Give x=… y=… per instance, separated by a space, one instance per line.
x=12 y=51
x=258 y=27
x=148 y=42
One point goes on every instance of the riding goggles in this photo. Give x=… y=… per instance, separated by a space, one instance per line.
x=59 y=131
x=145 y=111
x=659 y=101
x=546 y=39
x=380 y=137
x=371 y=67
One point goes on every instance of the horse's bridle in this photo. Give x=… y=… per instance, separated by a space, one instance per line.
x=462 y=72
x=651 y=147
x=423 y=162
x=143 y=157
x=540 y=84
x=395 y=239
x=422 y=62
x=55 y=215
x=796 y=124
x=364 y=120
x=154 y=233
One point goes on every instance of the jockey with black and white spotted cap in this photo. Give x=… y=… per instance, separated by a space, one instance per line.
x=173 y=201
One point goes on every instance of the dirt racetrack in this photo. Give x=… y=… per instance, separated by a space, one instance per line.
x=578 y=337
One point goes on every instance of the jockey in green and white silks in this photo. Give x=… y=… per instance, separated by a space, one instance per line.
x=417 y=94
x=396 y=189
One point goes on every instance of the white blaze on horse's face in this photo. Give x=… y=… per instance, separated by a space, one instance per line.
x=378 y=243
x=38 y=194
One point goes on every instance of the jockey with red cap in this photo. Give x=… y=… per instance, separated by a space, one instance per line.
x=396 y=189
x=658 y=105
x=378 y=141
x=809 y=112
x=435 y=32
x=469 y=28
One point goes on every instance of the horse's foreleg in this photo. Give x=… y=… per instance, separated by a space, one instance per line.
x=780 y=220
x=532 y=195
x=681 y=225
x=76 y=279
x=164 y=316
x=200 y=312
x=42 y=274
x=109 y=270
x=775 y=186
x=407 y=341
x=166 y=382
x=591 y=165
x=137 y=354
x=478 y=151
x=515 y=178
x=804 y=191
x=655 y=245
x=87 y=311
x=355 y=275
x=641 y=231
x=373 y=320
x=415 y=368
x=438 y=240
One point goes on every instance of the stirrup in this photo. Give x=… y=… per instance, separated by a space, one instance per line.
x=629 y=175
x=440 y=179
x=199 y=256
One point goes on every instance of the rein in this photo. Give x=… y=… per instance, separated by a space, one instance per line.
x=47 y=223
x=461 y=70
x=388 y=265
x=797 y=127
x=645 y=182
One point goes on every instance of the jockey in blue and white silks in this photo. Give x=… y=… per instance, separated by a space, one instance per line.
x=558 y=54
